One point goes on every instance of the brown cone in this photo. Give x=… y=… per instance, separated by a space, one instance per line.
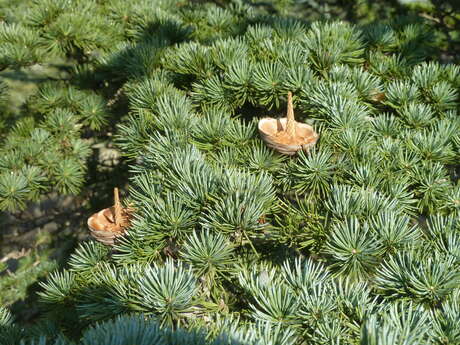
x=110 y=222
x=286 y=135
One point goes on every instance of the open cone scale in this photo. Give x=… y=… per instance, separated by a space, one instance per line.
x=286 y=135
x=110 y=222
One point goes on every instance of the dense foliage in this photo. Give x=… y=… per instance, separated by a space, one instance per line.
x=355 y=242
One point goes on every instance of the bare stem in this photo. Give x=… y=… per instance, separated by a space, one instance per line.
x=250 y=243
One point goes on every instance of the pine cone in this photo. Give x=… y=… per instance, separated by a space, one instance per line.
x=286 y=135
x=110 y=222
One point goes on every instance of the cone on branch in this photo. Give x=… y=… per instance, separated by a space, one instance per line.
x=286 y=135
x=110 y=222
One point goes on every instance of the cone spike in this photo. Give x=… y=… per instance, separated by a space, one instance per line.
x=117 y=204
x=290 y=122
